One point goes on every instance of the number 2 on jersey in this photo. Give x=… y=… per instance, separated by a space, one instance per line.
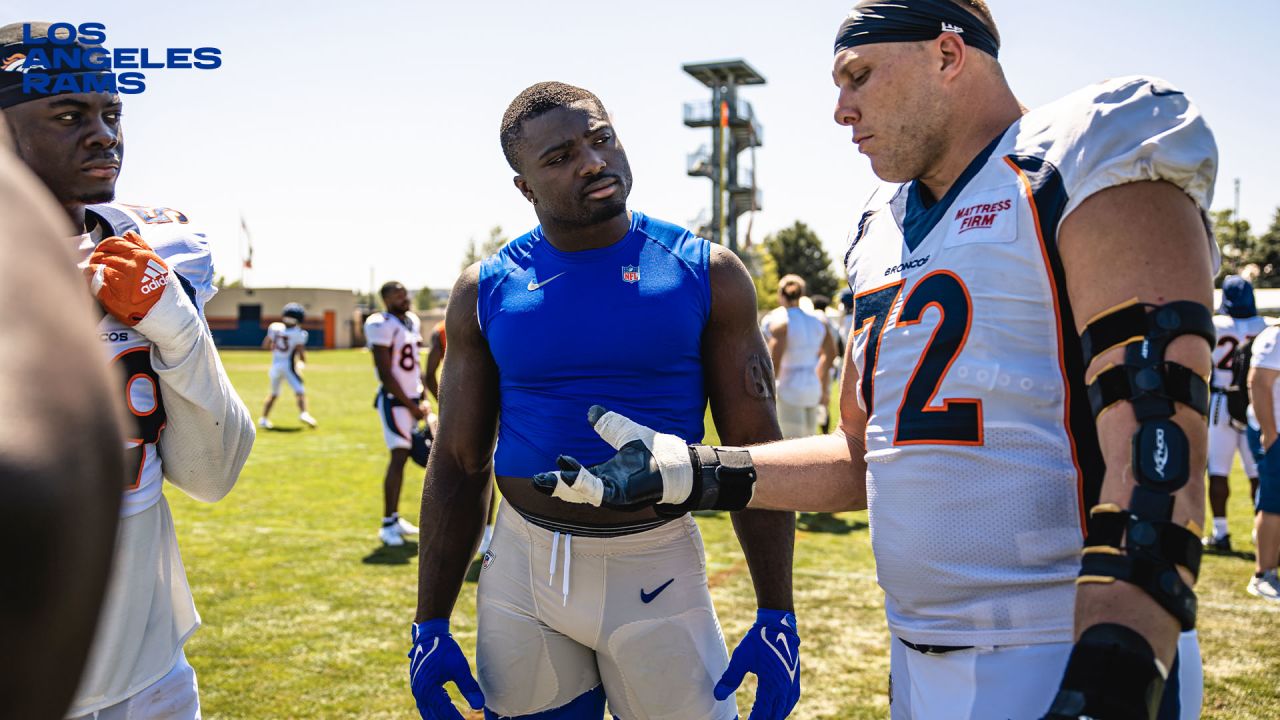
x=1230 y=354
x=957 y=421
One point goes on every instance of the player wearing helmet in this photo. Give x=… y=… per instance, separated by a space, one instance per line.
x=288 y=344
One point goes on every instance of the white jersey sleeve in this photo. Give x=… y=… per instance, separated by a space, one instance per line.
x=1127 y=130
x=379 y=330
x=182 y=245
x=188 y=254
x=203 y=433
x=1266 y=349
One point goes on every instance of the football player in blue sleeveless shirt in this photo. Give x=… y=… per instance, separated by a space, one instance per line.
x=576 y=605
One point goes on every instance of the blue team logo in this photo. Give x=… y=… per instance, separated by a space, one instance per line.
x=630 y=273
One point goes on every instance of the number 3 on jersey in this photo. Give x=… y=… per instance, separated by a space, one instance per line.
x=142 y=397
x=957 y=421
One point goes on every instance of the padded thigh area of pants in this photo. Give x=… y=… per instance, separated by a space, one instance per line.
x=664 y=667
x=514 y=666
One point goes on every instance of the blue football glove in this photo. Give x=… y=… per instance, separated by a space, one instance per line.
x=434 y=660
x=771 y=651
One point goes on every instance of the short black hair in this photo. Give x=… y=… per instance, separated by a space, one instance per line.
x=533 y=101
x=389 y=287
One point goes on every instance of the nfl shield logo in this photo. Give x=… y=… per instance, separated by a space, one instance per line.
x=630 y=273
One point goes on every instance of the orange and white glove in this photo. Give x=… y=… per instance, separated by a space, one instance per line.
x=136 y=286
x=127 y=277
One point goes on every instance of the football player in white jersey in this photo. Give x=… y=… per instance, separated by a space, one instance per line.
x=395 y=338
x=1237 y=322
x=151 y=274
x=288 y=344
x=55 y=388
x=1264 y=391
x=1032 y=303
x=802 y=350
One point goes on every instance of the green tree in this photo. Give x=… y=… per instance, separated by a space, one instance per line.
x=424 y=300
x=1265 y=253
x=1234 y=241
x=764 y=273
x=798 y=250
x=490 y=246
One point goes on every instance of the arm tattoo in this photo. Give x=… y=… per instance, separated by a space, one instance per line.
x=759 y=377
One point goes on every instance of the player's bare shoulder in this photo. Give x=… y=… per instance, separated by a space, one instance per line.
x=724 y=265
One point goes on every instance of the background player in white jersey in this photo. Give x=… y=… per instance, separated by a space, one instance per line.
x=1264 y=392
x=831 y=316
x=1032 y=301
x=1237 y=322
x=802 y=351
x=151 y=275
x=287 y=342
x=54 y=387
x=395 y=339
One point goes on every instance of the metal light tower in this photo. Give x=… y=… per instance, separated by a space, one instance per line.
x=734 y=128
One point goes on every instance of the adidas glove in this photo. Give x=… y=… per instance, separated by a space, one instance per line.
x=136 y=287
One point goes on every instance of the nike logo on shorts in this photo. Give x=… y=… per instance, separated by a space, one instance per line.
x=646 y=597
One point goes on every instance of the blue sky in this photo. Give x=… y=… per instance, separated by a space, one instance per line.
x=359 y=139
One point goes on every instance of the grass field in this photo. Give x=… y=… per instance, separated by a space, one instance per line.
x=307 y=615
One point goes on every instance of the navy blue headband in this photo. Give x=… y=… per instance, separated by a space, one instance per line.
x=885 y=21
x=15 y=54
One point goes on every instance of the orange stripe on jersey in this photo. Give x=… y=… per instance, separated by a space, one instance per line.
x=871 y=355
x=1055 y=292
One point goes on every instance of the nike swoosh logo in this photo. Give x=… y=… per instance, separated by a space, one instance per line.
x=413 y=671
x=791 y=664
x=647 y=598
x=536 y=285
